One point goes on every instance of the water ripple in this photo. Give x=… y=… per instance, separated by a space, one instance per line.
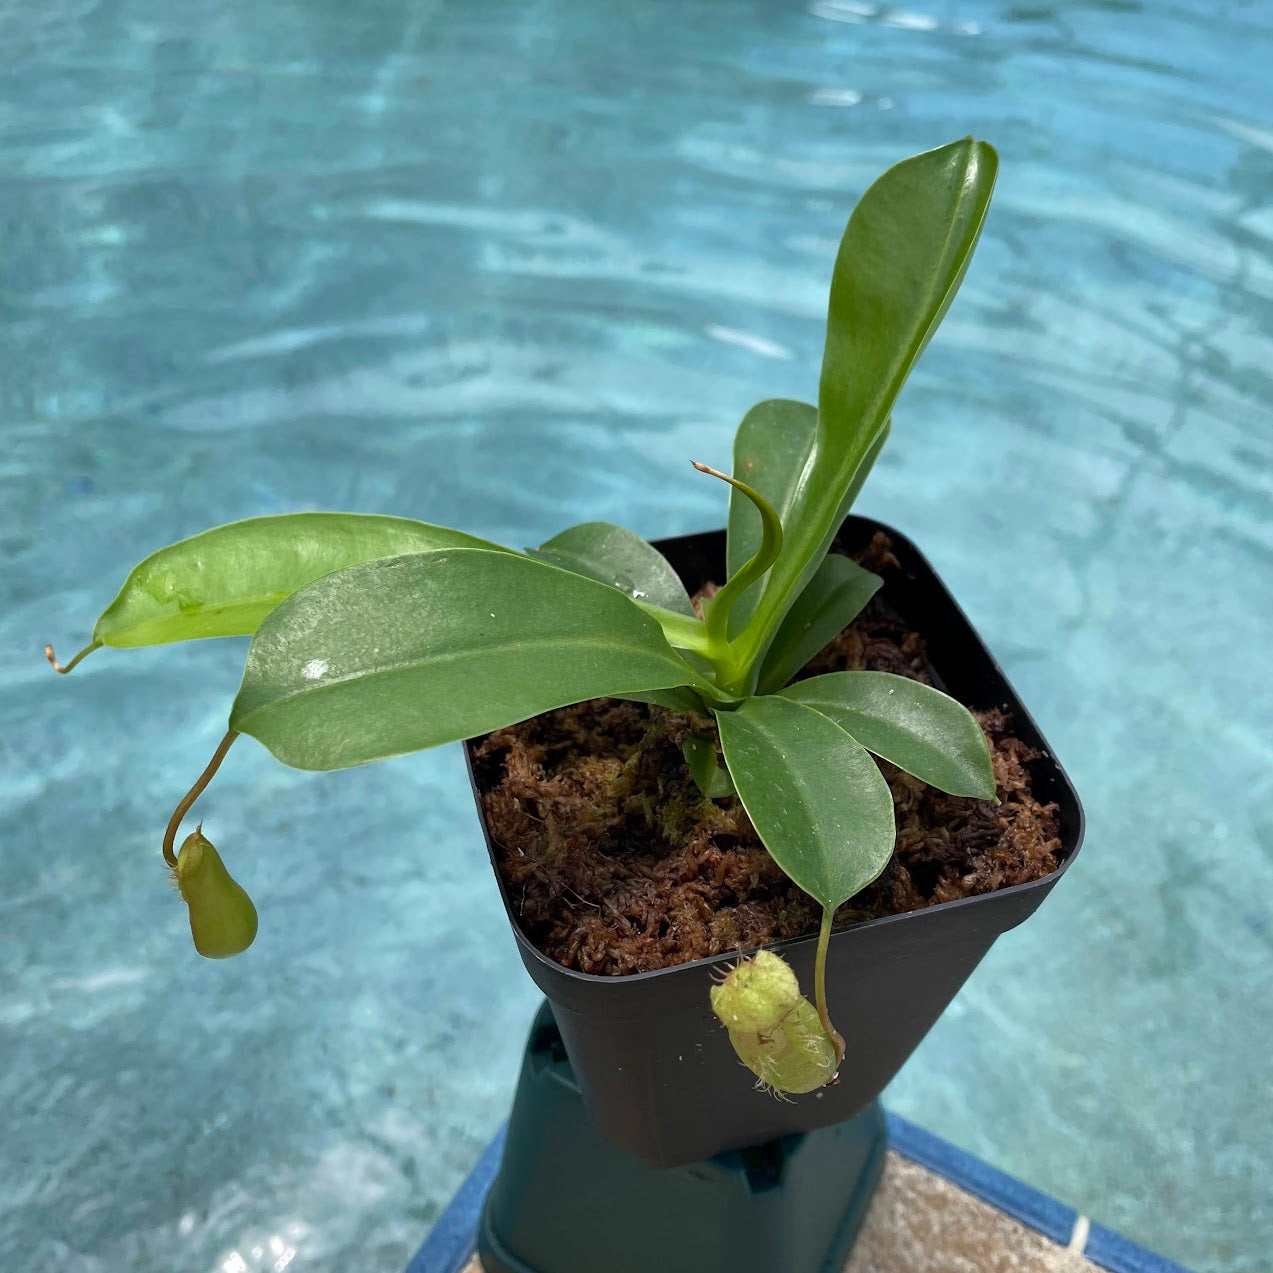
x=509 y=267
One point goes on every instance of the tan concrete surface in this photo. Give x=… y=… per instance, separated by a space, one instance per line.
x=921 y=1223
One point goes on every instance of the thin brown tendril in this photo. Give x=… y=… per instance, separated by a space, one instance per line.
x=83 y=654
x=193 y=794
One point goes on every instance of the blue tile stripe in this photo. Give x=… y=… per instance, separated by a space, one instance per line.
x=451 y=1244
x=1043 y=1214
x=1104 y=1247
x=453 y=1239
x=1121 y=1255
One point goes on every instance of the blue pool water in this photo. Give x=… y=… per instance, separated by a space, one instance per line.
x=509 y=266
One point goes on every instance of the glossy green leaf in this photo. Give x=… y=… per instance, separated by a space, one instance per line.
x=902 y=258
x=224 y=581
x=831 y=600
x=710 y=776
x=614 y=555
x=405 y=653
x=920 y=729
x=676 y=700
x=816 y=798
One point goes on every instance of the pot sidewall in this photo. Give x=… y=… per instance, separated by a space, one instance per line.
x=656 y=1070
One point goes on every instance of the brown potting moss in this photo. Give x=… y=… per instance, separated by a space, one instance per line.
x=615 y=863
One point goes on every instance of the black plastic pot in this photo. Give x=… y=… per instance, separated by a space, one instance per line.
x=568 y=1201
x=656 y=1070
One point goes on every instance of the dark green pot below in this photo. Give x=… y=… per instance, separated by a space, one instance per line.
x=566 y=1200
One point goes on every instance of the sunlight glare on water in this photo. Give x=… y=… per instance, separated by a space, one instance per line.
x=510 y=267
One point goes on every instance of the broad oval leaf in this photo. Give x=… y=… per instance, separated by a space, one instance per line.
x=901 y=260
x=831 y=600
x=401 y=654
x=224 y=581
x=816 y=798
x=920 y=729
x=617 y=556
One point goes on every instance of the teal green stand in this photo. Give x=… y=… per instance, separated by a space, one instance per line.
x=566 y=1201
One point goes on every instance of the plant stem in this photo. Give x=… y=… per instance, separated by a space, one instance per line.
x=681 y=631
x=820 y=983
x=193 y=794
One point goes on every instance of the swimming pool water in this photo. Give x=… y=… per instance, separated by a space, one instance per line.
x=510 y=266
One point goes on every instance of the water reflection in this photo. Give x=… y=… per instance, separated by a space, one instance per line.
x=510 y=267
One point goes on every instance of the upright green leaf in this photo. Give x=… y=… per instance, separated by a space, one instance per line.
x=614 y=555
x=831 y=600
x=816 y=798
x=900 y=263
x=902 y=258
x=405 y=653
x=224 y=581
x=920 y=729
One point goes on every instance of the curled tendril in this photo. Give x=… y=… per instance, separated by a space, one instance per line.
x=170 y=835
x=752 y=569
x=65 y=668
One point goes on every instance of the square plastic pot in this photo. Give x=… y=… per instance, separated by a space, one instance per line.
x=658 y=1075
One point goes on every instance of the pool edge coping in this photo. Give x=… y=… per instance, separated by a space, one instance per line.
x=452 y=1241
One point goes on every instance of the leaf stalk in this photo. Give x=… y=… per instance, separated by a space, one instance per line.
x=170 y=835
x=64 y=669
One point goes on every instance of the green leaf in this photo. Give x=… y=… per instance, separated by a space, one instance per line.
x=902 y=258
x=831 y=600
x=816 y=798
x=677 y=700
x=918 y=728
x=405 y=653
x=711 y=778
x=224 y=581
x=613 y=555
x=771 y=448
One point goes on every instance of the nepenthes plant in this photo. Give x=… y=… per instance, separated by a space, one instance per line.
x=375 y=636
